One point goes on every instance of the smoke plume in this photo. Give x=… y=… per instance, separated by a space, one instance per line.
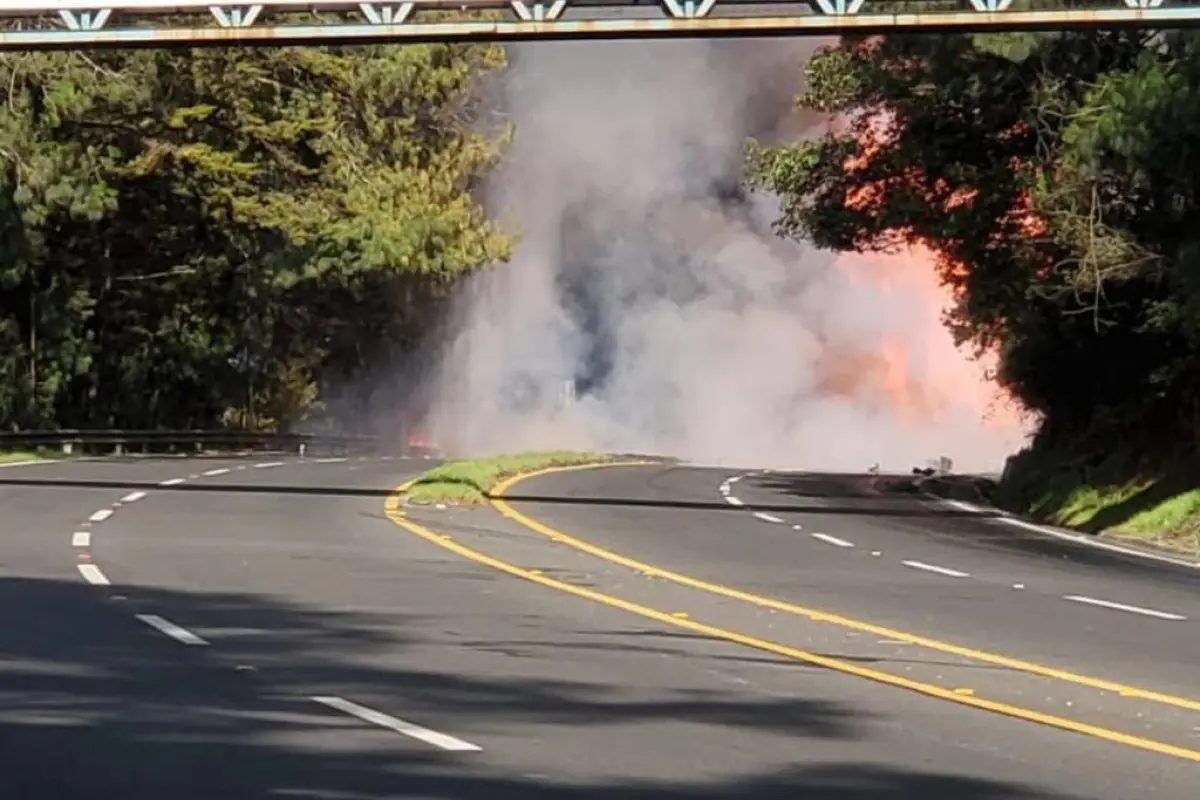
x=650 y=282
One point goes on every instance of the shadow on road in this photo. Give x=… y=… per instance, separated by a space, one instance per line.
x=862 y=508
x=94 y=705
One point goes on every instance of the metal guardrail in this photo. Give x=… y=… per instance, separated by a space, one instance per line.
x=118 y=442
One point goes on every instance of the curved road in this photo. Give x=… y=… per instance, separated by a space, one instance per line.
x=207 y=628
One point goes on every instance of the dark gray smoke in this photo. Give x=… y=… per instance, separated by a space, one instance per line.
x=651 y=308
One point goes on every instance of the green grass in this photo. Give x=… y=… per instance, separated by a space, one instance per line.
x=468 y=482
x=1113 y=498
x=22 y=455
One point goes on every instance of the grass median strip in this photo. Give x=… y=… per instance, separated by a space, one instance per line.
x=467 y=482
x=25 y=456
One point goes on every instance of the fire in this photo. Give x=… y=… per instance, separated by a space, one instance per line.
x=919 y=377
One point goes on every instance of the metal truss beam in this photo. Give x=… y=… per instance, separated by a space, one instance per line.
x=58 y=24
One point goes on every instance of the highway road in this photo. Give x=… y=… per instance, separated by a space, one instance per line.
x=279 y=628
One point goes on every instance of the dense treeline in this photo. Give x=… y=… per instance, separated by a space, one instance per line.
x=203 y=238
x=1056 y=174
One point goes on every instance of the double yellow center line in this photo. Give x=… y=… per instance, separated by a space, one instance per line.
x=396 y=515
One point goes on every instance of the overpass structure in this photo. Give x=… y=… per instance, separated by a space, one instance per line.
x=57 y=24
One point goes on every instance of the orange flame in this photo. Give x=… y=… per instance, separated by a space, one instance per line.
x=887 y=373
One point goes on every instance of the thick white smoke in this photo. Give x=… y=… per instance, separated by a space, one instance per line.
x=646 y=277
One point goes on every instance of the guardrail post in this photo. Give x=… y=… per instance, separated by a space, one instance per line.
x=302 y=449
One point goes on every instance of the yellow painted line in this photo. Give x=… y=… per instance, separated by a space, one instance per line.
x=815 y=614
x=395 y=514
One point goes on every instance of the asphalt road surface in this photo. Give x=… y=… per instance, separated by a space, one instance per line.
x=192 y=628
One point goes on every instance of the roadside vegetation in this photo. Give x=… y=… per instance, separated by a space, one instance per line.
x=18 y=456
x=215 y=237
x=469 y=481
x=1056 y=177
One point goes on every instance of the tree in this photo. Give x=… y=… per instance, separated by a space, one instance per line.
x=1051 y=172
x=186 y=232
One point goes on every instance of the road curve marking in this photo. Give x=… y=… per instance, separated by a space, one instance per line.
x=92 y=574
x=1146 y=612
x=949 y=573
x=177 y=633
x=828 y=539
x=442 y=740
x=881 y=631
x=1047 y=530
x=396 y=515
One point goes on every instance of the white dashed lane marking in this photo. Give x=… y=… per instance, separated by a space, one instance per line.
x=440 y=740
x=214 y=472
x=81 y=539
x=1146 y=612
x=767 y=517
x=733 y=501
x=950 y=573
x=101 y=515
x=268 y=464
x=833 y=540
x=133 y=497
x=171 y=629
x=92 y=574
x=172 y=482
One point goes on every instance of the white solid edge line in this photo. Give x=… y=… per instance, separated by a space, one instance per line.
x=1047 y=530
x=101 y=515
x=171 y=629
x=81 y=539
x=833 y=540
x=733 y=501
x=27 y=463
x=950 y=573
x=268 y=464
x=172 y=482
x=1148 y=612
x=442 y=740
x=767 y=517
x=133 y=497
x=214 y=472
x=92 y=574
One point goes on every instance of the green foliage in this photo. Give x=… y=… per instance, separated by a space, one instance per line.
x=1055 y=175
x=183 y=233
